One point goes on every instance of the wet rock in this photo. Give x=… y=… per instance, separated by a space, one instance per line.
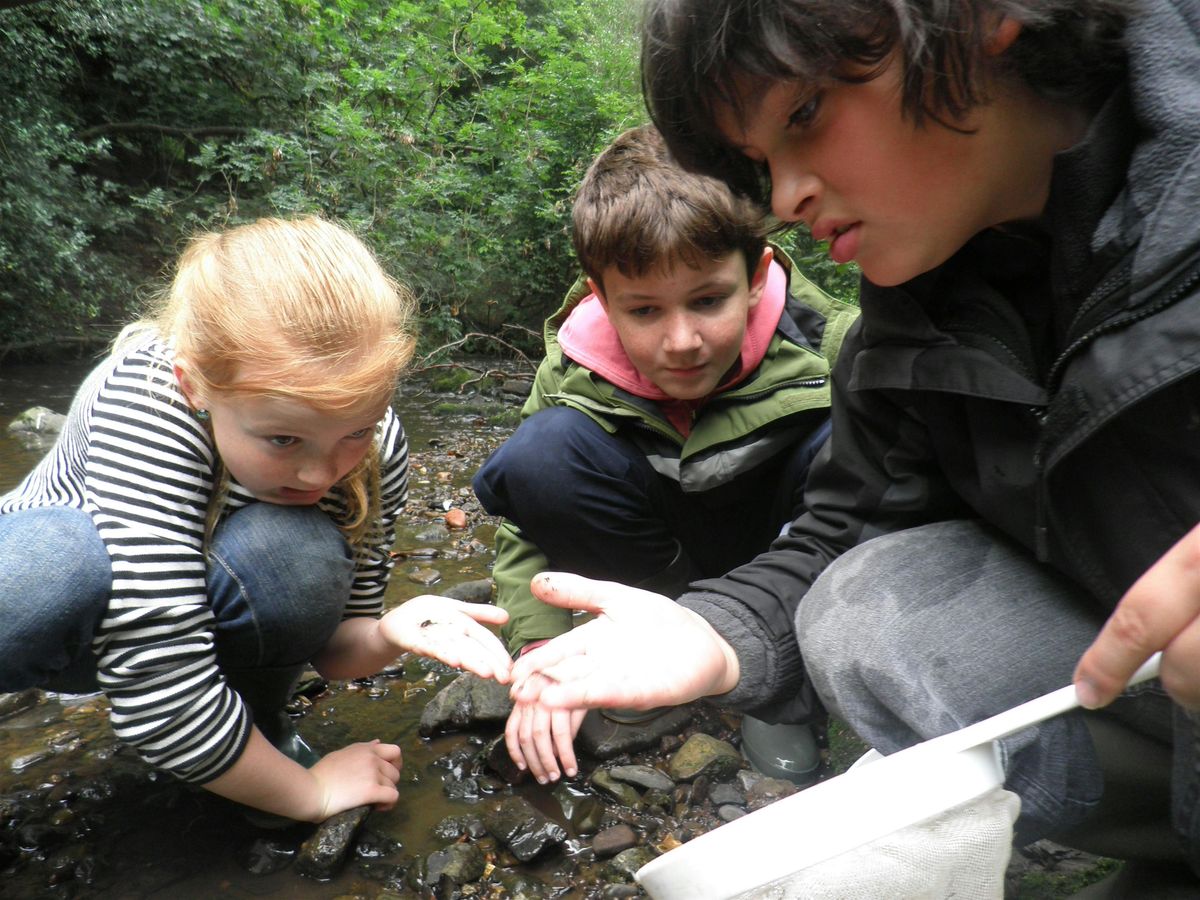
x=604 y=739
x=702 y=754
x=461 y=863
x=642 y=776
x=371 y=845
x=657 y=800
x=623 y=793
x=498 y=760
x=423 y=576
x=522 y=829
x=25 y=760
x=18 y=701
x=518 y=885
x=456 y=519
x=322 y=855
x=38 y=419
x=466 y=702
x=587 y=816
x=37 y=428
x=454 y=827
x=516 y=387
x=479 y=591
x=462 y=788
x=433 y=534
x=765 y=790
x=728 y=812
x=620 y=891
x=612 y=841
x=627 y=862
x=725 y=794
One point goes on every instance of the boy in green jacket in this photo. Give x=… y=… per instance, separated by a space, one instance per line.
x=668 y=436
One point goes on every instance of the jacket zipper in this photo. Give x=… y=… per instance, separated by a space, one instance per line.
x=1041 y=524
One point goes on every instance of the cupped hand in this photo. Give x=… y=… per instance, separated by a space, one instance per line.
x=358 y=775
x=642 y=650
x=450 y=630
x=539 y=738
x=1160 y=612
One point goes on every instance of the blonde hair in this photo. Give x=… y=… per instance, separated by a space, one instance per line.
x=305 y=306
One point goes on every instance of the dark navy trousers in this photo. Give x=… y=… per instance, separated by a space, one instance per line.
x=595 y=506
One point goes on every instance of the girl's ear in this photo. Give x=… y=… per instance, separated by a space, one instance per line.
x=193 y=397
x=1004 y=31
x=758 y=278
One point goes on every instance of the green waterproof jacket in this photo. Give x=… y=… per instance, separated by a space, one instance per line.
x=735 y=431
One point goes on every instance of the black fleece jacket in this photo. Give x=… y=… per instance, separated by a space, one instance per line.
x=1045 y=380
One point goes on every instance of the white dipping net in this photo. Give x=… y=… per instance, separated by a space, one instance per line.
x=961 y=853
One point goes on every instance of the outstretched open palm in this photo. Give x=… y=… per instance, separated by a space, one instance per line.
x=641 y=650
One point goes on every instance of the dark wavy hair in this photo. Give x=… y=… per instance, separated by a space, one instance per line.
x=1068 y=50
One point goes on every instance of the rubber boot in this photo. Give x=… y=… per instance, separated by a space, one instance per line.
x=674 y=579
x=266 y=692
x=1132 y=821
x=781 y=751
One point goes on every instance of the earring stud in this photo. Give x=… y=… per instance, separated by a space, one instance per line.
x=202 y=415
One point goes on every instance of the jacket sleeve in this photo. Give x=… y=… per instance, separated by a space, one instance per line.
x=875 y=475
x=529 y=619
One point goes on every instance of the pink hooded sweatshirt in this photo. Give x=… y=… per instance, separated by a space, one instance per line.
x=589 y=338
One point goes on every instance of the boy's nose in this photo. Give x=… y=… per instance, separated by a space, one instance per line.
x=681 y=336
x=793 y=192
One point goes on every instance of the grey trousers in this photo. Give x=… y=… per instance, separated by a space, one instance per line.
x=918 y=633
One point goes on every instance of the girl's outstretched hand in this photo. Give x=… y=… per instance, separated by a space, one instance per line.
x=642 y=650
x=357 y=775
x=450 y=630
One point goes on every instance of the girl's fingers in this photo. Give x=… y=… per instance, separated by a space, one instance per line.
x=563 y=728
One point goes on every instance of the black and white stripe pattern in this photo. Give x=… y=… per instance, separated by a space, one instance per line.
x=132 y=455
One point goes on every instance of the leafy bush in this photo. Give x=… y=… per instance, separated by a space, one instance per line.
x=449 y=133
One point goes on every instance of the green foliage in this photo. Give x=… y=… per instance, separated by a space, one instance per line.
x=812 y=258
x=450 y=133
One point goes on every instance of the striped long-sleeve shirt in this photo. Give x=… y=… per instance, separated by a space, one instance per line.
x=133 y=457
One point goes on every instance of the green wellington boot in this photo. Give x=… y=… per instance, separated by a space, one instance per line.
x=781 y=751
x=266 y=691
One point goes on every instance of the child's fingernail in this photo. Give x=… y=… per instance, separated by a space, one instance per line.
x=541 y=779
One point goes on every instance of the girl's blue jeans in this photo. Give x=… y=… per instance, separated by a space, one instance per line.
x=918 y=633
x=278 y=579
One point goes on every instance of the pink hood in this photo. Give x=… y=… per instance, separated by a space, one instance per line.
x=590 y=339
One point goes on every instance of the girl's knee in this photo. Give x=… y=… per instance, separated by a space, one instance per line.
x=279 y=573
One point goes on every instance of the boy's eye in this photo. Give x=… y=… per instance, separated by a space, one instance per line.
x=282 y=440
x=362 y=432
x=709 y=301
x=641 y=311
x=804 y=114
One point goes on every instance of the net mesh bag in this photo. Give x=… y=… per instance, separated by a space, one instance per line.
x=961 y=853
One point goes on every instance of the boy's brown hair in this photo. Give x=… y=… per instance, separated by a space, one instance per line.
x=637 y=209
